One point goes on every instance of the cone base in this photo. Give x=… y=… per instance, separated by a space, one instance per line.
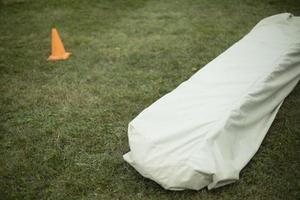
x=65 y=56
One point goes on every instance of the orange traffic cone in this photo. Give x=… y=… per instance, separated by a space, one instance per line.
x=57 y=48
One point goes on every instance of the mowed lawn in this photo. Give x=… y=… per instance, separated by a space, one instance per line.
x=63 y=125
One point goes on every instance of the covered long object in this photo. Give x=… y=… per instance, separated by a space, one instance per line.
x=206 y=130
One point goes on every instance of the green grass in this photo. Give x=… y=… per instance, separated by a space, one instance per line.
x=63 y=125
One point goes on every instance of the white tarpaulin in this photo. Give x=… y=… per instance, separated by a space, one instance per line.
x=207 y=129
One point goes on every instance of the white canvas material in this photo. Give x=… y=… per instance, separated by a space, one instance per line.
x=206 y=130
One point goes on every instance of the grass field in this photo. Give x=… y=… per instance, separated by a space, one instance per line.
x=63 y=125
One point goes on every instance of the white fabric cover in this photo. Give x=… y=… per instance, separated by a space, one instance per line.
x=207 y=129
